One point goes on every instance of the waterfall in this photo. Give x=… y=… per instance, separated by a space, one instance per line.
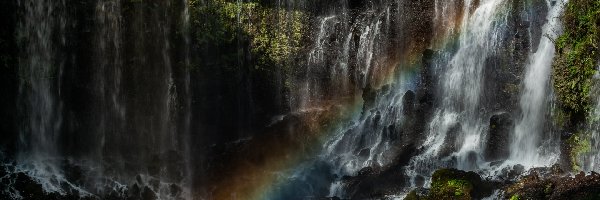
x=367 y=135
x=457 y=133
x=133 y=99
x=134 y=127
x=456 y=128
x=527 y=147
x=42 y=34
x=590 y=160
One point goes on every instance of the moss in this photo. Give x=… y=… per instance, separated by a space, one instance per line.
x=450 y=184
x=451 y=189
x=579 y=145
x=515 y=197
x=549 y=188
x=511 y=88
x=275 y=34
x=577 y=55
x=559 y=116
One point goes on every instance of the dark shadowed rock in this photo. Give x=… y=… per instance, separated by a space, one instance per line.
x=148 y=194
x=364 y=153
x=498 y=145
x=419 y=181
x=408 y=102
x=451 y=142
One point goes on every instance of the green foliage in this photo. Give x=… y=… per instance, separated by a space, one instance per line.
x=515 y=197
x=548 y=189
x=451 y=189
x=447 y=185
x=579 y=145
x=575 y=63
x=275 y=34
x=247 y=39
x=559 y=116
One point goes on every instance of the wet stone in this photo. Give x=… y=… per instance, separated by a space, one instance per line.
x=148 y=194
x=498 y=144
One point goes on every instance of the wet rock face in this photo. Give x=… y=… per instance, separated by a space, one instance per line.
x=424 y=95
x=9 y=76
x=504 y=70
x=554 y=185
x=451 y=142
x=498 y=144
x=408 y=102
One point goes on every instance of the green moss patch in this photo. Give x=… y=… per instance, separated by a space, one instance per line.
x=579 y=145
x=577 y=55
x=455 y=184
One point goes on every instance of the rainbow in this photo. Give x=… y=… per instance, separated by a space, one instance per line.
x=256 y=173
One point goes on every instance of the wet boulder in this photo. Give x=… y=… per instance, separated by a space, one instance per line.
x=554 y=186
x=454 y=184
x=497 y=146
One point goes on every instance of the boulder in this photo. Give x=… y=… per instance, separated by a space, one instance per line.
x=454 y=184
x=497 y=146
x=451 y=142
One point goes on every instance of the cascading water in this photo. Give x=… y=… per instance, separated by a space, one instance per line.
x=42 y=32
x=457 y=133
x=139 y=88
x=527 y=147
x=108 y=87
x=457 y=126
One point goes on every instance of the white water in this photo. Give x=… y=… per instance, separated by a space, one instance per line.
x=338 y=45
x=527 y=147
x=461 y=88
x=367 y=141
x=369 y=135
x=41 y=66
x=43 y=31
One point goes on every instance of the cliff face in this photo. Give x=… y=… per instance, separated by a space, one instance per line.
x=9 y=85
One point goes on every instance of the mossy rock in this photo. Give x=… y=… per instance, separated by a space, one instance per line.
x=454 y=184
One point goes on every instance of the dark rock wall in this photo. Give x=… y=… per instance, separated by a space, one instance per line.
x=9 y=78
